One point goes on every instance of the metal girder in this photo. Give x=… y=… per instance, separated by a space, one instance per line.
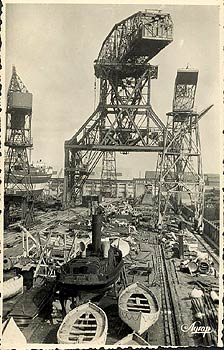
x=108 y=181
x=136 y=39
x=16 y=84
x=108 y=148
x=185 y=89
x=18 y=184
x=179 y=178
x=124 y=120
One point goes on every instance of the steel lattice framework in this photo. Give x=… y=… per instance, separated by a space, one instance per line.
x=109 y=175
x=18 y=184
x=124 y=120
x=179 y=177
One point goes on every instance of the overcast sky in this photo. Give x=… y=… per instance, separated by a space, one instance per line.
x=54 y=46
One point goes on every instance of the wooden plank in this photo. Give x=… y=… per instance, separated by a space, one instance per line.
x=138 y=309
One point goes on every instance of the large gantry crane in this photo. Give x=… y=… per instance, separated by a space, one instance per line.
x=124 y=120
x=18 y=140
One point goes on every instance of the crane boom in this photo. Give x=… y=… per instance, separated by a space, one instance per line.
x=135 y=40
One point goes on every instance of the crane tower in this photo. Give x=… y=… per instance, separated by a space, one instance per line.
x=109 y=175
x=179 y=177
x=18 y=184
x=124 y=120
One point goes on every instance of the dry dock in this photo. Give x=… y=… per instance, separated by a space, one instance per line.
x=149 y=262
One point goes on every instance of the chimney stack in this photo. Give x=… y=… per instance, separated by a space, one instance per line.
x=96 y=233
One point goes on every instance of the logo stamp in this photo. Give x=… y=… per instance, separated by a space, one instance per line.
x=196 y=328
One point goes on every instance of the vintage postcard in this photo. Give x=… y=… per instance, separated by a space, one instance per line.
x=111 y=197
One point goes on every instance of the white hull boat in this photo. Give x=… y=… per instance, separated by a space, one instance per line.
x=132 y=339
x=138 y=307
x=12 y=335
x=12 y=287
x=85 y=325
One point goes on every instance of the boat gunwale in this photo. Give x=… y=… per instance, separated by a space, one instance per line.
x=83 y=306
x=144 y=288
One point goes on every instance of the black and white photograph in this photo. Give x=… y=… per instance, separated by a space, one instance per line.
x=112 y=218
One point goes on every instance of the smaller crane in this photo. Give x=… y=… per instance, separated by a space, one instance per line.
x=109 y=175
x=18 y=184
x=180 y=179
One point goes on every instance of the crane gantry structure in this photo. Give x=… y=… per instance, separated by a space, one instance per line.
x=124 y=120
x=180 y=179
x=18 y=184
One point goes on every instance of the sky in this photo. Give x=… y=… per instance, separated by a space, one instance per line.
x=54 y=47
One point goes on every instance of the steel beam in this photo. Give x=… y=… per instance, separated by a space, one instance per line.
x=115 y=148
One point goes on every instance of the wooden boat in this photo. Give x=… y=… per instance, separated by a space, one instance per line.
x=12 y=287
x=12 y=335
x=86 y=324
x=138 y=307
x=132 y=339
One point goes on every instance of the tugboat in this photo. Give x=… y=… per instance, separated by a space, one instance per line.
x=94 y=270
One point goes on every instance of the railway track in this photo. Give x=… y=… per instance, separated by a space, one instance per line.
x=170 y=323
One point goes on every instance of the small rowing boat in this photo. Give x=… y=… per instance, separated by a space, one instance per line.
x=132 y=339
x=12 y=287
x=86 y=324
x=12 y=335
x=138 y=307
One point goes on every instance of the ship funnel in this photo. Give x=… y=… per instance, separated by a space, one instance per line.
x=96 y=232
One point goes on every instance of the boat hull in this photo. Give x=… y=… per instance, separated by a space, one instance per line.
x=12 y=287
x=138 y=307
x=91 y=273
x=16 y=183
x=85 y=325
x=72 y=287
x=12 y=335
x=132 y=339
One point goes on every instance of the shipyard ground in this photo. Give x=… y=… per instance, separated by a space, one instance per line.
x=145 y=263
